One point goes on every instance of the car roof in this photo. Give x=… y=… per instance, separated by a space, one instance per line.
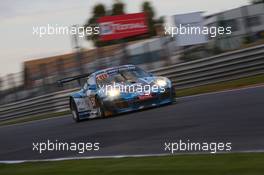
x=113 y=68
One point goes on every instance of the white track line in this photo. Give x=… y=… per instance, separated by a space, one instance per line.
x=123 y=156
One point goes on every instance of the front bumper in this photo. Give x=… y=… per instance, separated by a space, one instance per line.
x=135 y=103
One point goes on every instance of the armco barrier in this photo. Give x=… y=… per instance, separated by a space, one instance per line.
x=224 y=67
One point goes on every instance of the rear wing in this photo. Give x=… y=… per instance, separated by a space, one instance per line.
x=63 y=81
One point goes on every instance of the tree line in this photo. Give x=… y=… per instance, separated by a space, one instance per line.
x=118 y=8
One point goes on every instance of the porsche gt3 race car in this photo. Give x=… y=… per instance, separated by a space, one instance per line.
x=119 y=90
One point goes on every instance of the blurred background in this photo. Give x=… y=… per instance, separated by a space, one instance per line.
x=32 y=65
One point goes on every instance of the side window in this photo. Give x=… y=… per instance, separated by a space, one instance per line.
x=88 y=82
x=91 y=81
x=85 y=86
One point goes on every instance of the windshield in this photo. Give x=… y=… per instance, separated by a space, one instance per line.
x=133 y=75
x=122 y=76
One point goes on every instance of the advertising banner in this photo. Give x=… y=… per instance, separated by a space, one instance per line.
x=122 y=26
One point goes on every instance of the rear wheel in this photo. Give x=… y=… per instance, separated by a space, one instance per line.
x=74 y=111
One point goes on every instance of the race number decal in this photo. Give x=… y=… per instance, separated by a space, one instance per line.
x=102 y=76
x=93 y=102
x=82 y=104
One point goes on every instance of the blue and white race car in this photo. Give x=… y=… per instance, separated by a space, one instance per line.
x=118 y=90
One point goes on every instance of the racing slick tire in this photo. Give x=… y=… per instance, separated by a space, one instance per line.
x=74 y=111
x=101 y=110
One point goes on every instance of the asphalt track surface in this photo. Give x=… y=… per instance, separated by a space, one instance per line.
x=235 y=116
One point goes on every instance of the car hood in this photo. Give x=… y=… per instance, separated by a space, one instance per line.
x=149 y=81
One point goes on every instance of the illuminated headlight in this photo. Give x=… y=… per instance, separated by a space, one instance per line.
x=113 y=93
x=161 y=82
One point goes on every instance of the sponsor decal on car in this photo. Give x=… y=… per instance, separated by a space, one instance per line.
x=145 y=96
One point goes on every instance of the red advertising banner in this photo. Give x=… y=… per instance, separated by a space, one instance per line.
x=122 y=26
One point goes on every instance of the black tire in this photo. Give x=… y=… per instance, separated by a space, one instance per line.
x=74 y=111
x=101 y=111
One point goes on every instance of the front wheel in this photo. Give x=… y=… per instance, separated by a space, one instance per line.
x=100 y=109
x=74 y=111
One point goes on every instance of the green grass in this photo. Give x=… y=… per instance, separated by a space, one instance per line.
x=219 y=164
x=180 y=93
x=33 y=118
x=243 y=82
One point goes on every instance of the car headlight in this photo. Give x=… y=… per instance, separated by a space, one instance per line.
x=113 y=93
x=161 y=82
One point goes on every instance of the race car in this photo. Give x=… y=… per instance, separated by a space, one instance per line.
x=119 y=90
